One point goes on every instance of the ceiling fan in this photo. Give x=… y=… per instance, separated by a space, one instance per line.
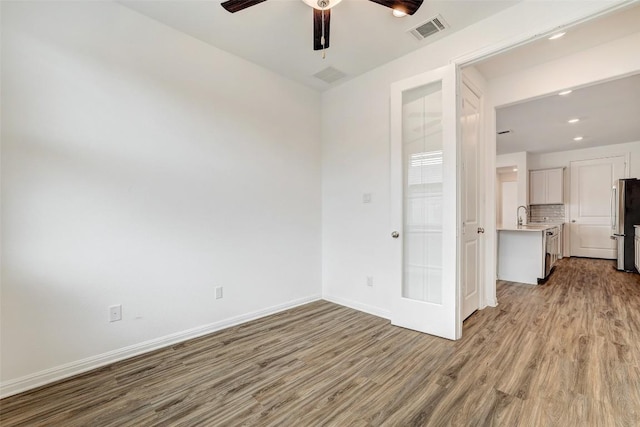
x=322 y=14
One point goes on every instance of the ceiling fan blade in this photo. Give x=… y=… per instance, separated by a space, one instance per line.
x=407 y=6
x=234 y=6
x=318 y=29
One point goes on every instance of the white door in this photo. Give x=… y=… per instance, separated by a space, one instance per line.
x=423 y=199
x=590 y=207
x=472 y=227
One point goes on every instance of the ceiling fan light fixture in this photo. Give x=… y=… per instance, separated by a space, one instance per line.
x=321 y=4
x=398 y=13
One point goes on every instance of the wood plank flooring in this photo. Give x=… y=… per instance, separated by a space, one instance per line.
x=563 y=354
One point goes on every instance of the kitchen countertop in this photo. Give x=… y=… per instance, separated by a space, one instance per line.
x=528 y=227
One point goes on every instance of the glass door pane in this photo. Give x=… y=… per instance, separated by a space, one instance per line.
x=422 y=158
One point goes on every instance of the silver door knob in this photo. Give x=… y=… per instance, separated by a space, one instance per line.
x=480 y=230
x=395 y=234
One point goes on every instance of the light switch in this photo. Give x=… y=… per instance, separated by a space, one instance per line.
x=366 y=198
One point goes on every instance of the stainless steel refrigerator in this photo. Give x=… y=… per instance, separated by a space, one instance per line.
x=625 y=213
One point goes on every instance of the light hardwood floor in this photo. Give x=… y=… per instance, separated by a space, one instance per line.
x=563 y=354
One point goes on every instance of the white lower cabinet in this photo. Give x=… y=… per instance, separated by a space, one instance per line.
x=520 y=256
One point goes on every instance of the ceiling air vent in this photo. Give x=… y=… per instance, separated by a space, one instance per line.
x=426 y=29
x=329 y=75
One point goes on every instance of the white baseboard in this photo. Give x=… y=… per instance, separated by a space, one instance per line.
x=490 y=302
x=385 y=314
x=28 y=382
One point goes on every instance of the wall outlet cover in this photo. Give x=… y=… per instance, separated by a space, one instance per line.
x=115 y=313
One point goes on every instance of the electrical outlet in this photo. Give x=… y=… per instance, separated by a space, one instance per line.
x=370 y=281
x=115 y=313
x=219 y=292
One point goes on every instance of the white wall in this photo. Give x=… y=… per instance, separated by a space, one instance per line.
x=564 y=158
x=142 y=167
x=521 y=161
x=506 y=198
x=355 y=153
x=509 y=204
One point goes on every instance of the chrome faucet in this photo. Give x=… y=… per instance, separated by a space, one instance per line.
x=526 y=211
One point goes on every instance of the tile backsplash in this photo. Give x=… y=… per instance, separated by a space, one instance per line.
x=546 y=213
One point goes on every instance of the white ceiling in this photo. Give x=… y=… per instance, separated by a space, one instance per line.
x=609 y=112
x=278 y=34
x=584 y=36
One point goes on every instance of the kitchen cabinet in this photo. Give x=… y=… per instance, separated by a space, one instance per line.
x=546 y=186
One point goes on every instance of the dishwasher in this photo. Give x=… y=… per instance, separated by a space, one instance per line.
x=552 y=249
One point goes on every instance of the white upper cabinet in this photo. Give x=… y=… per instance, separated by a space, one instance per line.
x=555 y=186
x=537 y=187
x=546 y=186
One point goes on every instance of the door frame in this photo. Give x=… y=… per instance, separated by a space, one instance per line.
x=489 y=138
x=460 y=79
x=489 y=134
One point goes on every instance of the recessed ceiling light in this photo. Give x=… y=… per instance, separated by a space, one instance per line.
x=565 y=92
x=578 y=138
x=515 y=169
x=557 y=36
x=572 y=121
x=398 y=13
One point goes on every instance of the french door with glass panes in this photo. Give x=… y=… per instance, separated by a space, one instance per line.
x=424 y=202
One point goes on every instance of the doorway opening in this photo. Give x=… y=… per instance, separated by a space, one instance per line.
x=540 y=69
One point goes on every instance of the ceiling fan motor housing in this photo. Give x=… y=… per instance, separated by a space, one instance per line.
x=322 y=4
